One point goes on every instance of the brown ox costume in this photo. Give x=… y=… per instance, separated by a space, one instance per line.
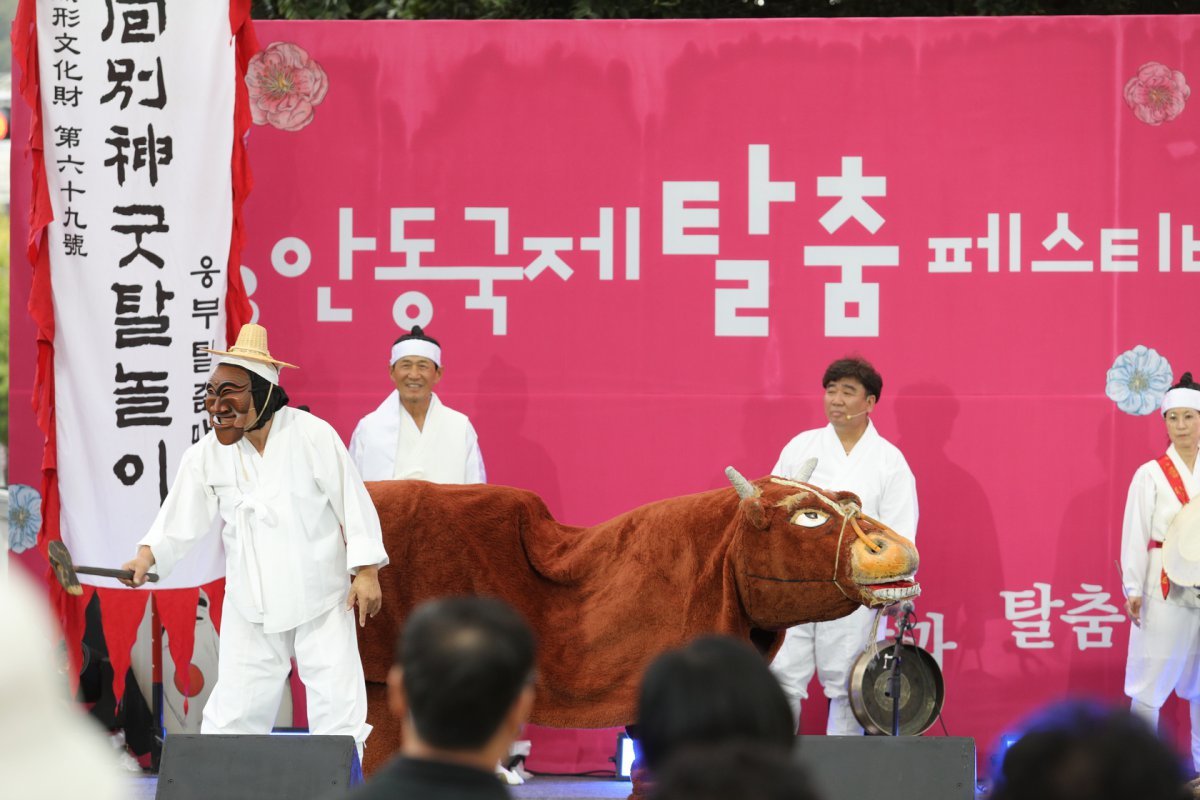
x=605 y=600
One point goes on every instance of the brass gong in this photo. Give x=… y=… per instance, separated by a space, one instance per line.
x=922 y=690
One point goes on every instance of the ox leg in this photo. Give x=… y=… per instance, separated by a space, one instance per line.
x=385 y=733
x=795 y=664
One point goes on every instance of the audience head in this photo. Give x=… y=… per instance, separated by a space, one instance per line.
x=48 y=746
x=714 y=690
x=741 y=770
x=463 y=674
x=1083 y=751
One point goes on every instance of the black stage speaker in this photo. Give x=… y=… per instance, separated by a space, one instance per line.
x=286 y=767
x=892 y=767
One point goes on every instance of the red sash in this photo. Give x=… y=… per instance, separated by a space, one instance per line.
x=1176 y=482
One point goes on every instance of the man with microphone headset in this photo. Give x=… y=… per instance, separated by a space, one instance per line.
x=851 y=456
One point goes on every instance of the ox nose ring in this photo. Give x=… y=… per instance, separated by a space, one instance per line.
x=872 y=546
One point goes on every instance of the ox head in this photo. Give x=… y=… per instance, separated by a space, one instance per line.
x=804 y=554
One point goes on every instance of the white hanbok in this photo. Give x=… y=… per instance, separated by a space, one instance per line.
x=296 y=522
x=876 y=471
x=388 y=445
x=1164 y=652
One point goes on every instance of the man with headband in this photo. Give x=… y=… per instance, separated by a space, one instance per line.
x=1164 y=642
x=412 y=435
x=302 y=548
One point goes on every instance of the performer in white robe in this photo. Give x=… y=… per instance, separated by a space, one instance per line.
x=1164 y=644
x=851 y=456
x=412 y=435
x=297 y=524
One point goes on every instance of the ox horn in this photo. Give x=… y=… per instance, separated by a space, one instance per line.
x=806 y=470
x=743 y=486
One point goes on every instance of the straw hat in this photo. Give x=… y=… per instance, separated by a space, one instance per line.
x=252 y=346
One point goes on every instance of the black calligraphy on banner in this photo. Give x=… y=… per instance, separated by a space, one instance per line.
x=202 y=364
x=135 y=81
x=129 y=469
x=135 y=328
x=122 y=72
x=67 y=141
x=141 y=21
x=149 y=152
x=139 y=230
x=141 y=397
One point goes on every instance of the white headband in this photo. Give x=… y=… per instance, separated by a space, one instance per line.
x=1181 y=398
x=416 y=347
x=268 y=371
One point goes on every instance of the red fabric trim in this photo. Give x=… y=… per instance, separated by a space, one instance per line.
x=71 y=611
x=1173 y=478
x=237 y=302
x=121 y=612
x=216 y=601
x=1153 y=544
x=177 y=613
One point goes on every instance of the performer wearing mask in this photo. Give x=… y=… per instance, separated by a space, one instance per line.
x=302 y=542
x=1164 y=643
x=412 y=435
x=851 y=456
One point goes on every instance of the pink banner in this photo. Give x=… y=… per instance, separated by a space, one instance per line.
x=640 y=244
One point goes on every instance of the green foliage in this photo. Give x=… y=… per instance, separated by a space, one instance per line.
x=671 y=9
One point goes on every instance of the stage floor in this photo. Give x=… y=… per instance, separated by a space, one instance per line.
x=545 y=787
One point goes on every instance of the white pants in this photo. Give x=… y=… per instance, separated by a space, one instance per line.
x=252 y=667
x=829 y=649
x=1164 y=656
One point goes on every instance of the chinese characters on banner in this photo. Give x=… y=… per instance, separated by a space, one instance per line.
x=137 y=104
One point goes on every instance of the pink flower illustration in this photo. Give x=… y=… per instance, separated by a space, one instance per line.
x=285 y=84
x=1157 y=94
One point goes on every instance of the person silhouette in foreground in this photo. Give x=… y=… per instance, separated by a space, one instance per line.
x=462 y=683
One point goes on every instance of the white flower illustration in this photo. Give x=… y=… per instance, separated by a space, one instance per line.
x=24 y=517
x=1138 y=380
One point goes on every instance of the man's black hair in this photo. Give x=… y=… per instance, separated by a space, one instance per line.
x=857 y=368
x=266 y=406
x=417 y=333
x=465 y=662
x=715 y=690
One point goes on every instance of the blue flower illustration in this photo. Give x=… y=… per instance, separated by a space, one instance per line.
x=24 y=517
x=1138 y=380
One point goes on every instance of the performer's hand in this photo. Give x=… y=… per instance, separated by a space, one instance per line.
x=365 y=591
x=140 y=565
x=1133 y=607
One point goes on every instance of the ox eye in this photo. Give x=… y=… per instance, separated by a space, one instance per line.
x=808 y=518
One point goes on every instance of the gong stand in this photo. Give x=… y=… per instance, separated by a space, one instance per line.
x=904 y=624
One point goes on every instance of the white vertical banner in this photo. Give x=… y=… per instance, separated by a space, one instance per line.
x=137 y=103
